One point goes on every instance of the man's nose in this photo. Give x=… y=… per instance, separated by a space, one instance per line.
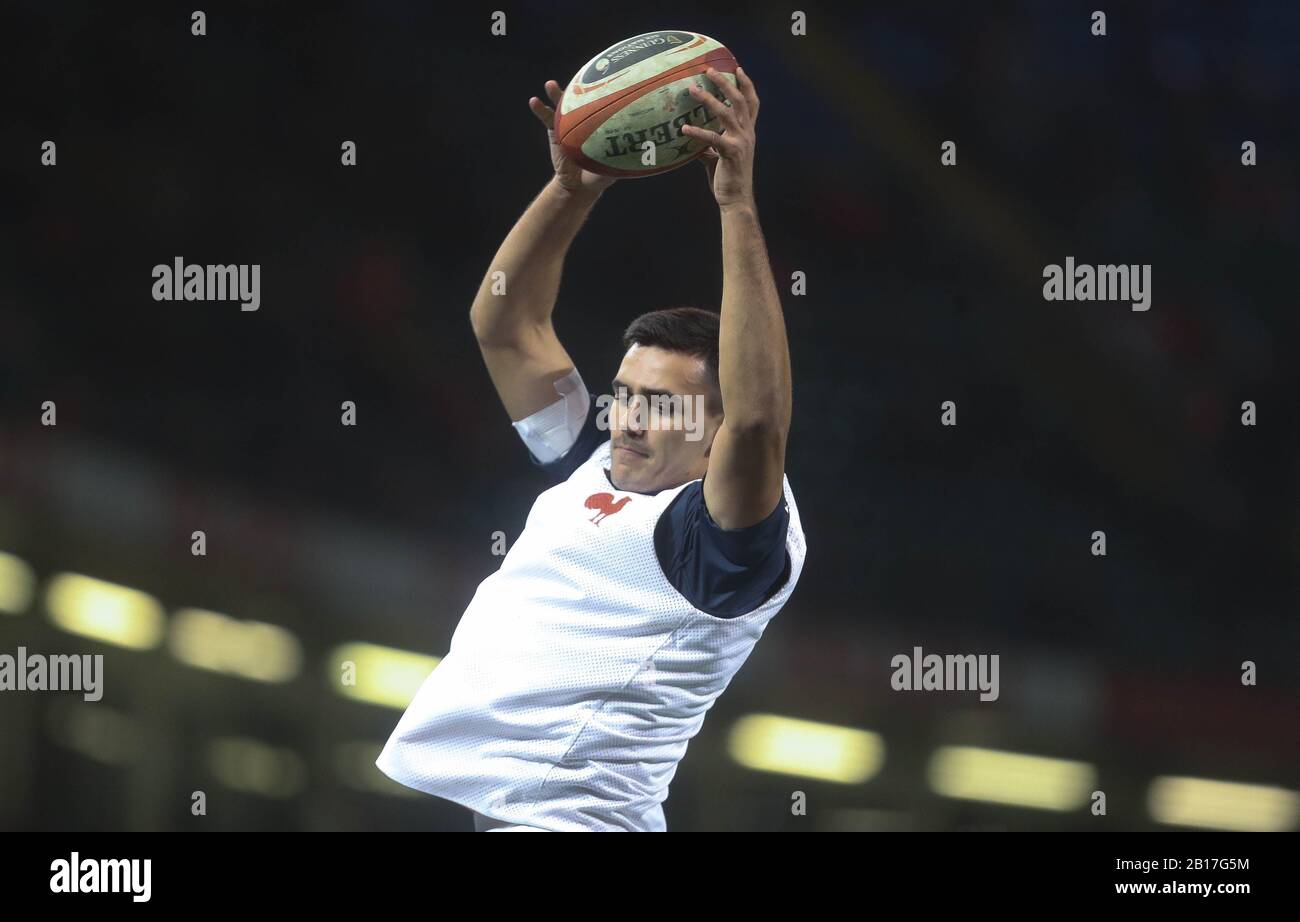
x=634 y=417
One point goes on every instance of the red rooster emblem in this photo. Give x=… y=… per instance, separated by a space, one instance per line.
x=604 y=505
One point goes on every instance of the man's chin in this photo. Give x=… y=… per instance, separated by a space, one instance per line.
x=624 y=478
x=618 y=476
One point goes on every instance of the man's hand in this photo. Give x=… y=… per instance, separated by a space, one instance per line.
x=730 y=159
x=570 y=176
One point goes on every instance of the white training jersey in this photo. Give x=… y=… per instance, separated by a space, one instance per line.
x=578 y=674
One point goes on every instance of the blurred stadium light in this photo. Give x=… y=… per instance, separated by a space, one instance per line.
x=104 y=611
x=254 y=767
x=16 y=585
x=770 y=743
x=101 y=733
x=972 y=773
x=1199 y=802
x=249 y=649
x=379 y=675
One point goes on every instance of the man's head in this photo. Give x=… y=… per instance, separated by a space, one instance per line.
x=662 y=431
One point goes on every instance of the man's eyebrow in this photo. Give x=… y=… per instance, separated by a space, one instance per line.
x=649 y=391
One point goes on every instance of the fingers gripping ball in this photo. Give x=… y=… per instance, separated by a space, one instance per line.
x=637 y=92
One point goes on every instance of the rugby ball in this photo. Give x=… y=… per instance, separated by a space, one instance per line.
x=622 y=114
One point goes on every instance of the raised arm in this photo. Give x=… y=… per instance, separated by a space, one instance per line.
x=747 y=461
x=524 y=357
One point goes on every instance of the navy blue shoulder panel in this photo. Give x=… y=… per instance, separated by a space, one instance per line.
x=724 y=572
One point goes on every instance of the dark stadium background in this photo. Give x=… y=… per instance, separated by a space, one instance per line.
x=924 y=285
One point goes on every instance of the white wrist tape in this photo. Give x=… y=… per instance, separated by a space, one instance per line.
x=550 y=432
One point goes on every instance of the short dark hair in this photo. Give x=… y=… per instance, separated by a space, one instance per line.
x=689 y=330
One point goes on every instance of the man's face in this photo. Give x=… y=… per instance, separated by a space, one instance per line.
x=661 y=431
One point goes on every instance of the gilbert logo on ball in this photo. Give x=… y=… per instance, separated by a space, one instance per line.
x=638 y=91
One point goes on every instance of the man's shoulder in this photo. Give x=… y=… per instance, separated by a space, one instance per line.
x=724 y=572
